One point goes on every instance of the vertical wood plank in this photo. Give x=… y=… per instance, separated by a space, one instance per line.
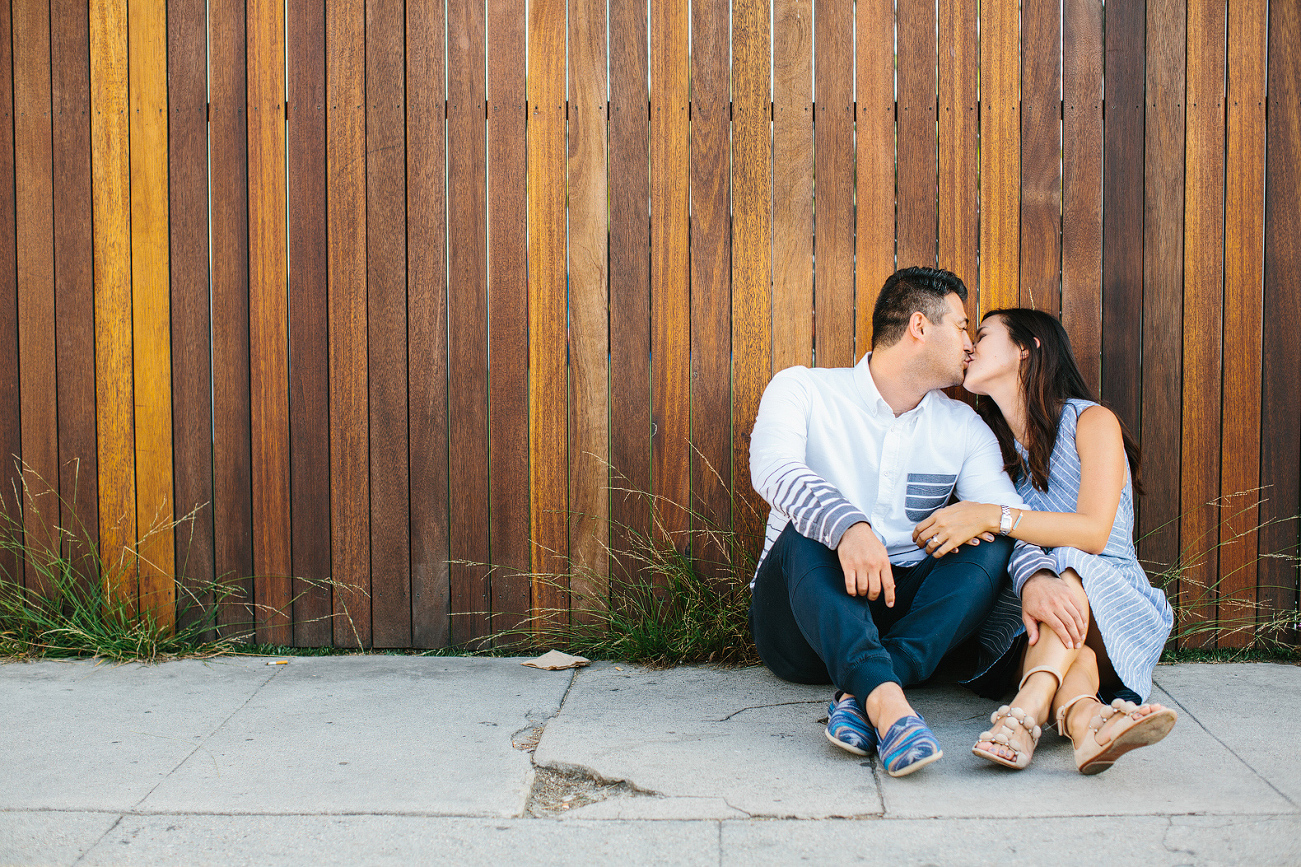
x=792 y=185
x=751 y=250
x=1000 y=159
x=833 y=200
x=10 y=405
x=111 y=205
x=670 y=269
x=589 y=342
x=1163 y=283
x=1280 y=418
x=34 y=192
x=958 y=145
x=386 y=293
x=1082 y=182
x=269 y=323
x=232 y=494
x=467 y=295
x=1244 y=239
x=918 y=158
x=508 y=326
x=630 y=420
x=427 y=320
x=548 y=458
x=150 y=302
x=74 y=278
x=187 y=187
x=1041 y=156
x=711 y=301
x=1122 y=208
x=309 y=353
x=1203 y=305
x=349 y=398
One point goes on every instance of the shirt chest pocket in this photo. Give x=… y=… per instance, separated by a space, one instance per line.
x=926 y=493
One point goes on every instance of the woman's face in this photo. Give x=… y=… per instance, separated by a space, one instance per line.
x=994 y=358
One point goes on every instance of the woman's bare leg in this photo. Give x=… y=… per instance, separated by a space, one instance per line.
x=1036 y=692
x=1084 y=678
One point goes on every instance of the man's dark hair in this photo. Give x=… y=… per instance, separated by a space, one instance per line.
x=908 y=291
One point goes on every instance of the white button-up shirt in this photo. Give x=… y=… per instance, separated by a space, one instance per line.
x=827 y=451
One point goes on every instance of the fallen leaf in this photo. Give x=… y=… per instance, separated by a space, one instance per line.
x=554 y=660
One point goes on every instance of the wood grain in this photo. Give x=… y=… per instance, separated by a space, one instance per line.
x=34 y=193
x=427 y=320
x=589 y=341
x=1244 y=240
x=74 y=280
x=232 y=450
x=508 y=325
x=630 y=420
x=309 y=339
x=346 y=192
x=1280 y=396
x=1163 y=279
x=10 y=403
x=1203 y=300
x=150 y=303
x=111 y=206
x=833 y=244
x=1000 y=160
x=1041 y=157
x=792 y=185
x=670 y=271
x=467 y=297
x=752 y=244
x=269 y=324
x=1082 y=183
x=1122 y=209
x=386 y=323
x=958 y=145
x=918 y=157
x=548 y=457
x=711 y=285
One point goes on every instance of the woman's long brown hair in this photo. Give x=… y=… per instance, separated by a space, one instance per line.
x=1049 y=377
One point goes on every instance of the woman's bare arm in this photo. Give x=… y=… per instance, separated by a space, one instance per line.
x=1101 y=448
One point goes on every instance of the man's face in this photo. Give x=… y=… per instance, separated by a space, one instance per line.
x=948 y=345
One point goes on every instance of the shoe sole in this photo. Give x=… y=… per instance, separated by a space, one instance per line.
x=1148 y=731
x=844 y=746
x=917 y=765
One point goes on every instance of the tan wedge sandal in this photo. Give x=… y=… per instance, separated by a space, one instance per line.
x=1003 y=730
x=1101 y=749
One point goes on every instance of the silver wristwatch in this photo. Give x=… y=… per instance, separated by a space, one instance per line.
x=1005 y=521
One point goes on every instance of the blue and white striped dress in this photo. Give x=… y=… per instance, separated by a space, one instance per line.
x=1133 y=617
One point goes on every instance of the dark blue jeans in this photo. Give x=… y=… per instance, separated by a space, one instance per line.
x=809 y=630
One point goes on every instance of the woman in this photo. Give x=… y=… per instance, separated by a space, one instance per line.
x=1100 y=623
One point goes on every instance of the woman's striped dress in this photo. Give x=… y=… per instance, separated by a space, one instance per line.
x=1133 y=617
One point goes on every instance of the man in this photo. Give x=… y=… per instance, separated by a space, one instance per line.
x=851 y=460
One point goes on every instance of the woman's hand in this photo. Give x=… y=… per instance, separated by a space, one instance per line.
x=955 y=525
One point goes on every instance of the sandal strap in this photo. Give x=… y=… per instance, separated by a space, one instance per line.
x=1048 y=668
x=1065 y=709
x=1004 y=732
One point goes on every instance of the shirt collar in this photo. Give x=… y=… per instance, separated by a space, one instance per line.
x=871 y=395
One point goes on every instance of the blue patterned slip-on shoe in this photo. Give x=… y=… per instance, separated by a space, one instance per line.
x=847 y=728
x=907 y=746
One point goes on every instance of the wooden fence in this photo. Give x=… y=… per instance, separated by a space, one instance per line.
x=392 y=290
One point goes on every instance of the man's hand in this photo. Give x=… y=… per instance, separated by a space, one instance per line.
x=866 y=564
x=1047 y=599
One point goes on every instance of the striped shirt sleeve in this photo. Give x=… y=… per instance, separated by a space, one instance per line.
x=779 y=472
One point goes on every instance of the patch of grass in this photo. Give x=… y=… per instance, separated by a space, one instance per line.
x=75 y=614
x=1204 y=617
x=673 y=608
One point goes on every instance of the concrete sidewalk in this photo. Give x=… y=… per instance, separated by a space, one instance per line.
x=410 y=760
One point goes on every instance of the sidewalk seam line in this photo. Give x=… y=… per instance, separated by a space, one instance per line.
x=201 y=744
x=1248 y=765
x=100 y=839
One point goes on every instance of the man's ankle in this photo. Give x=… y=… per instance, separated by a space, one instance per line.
x=885 y=705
